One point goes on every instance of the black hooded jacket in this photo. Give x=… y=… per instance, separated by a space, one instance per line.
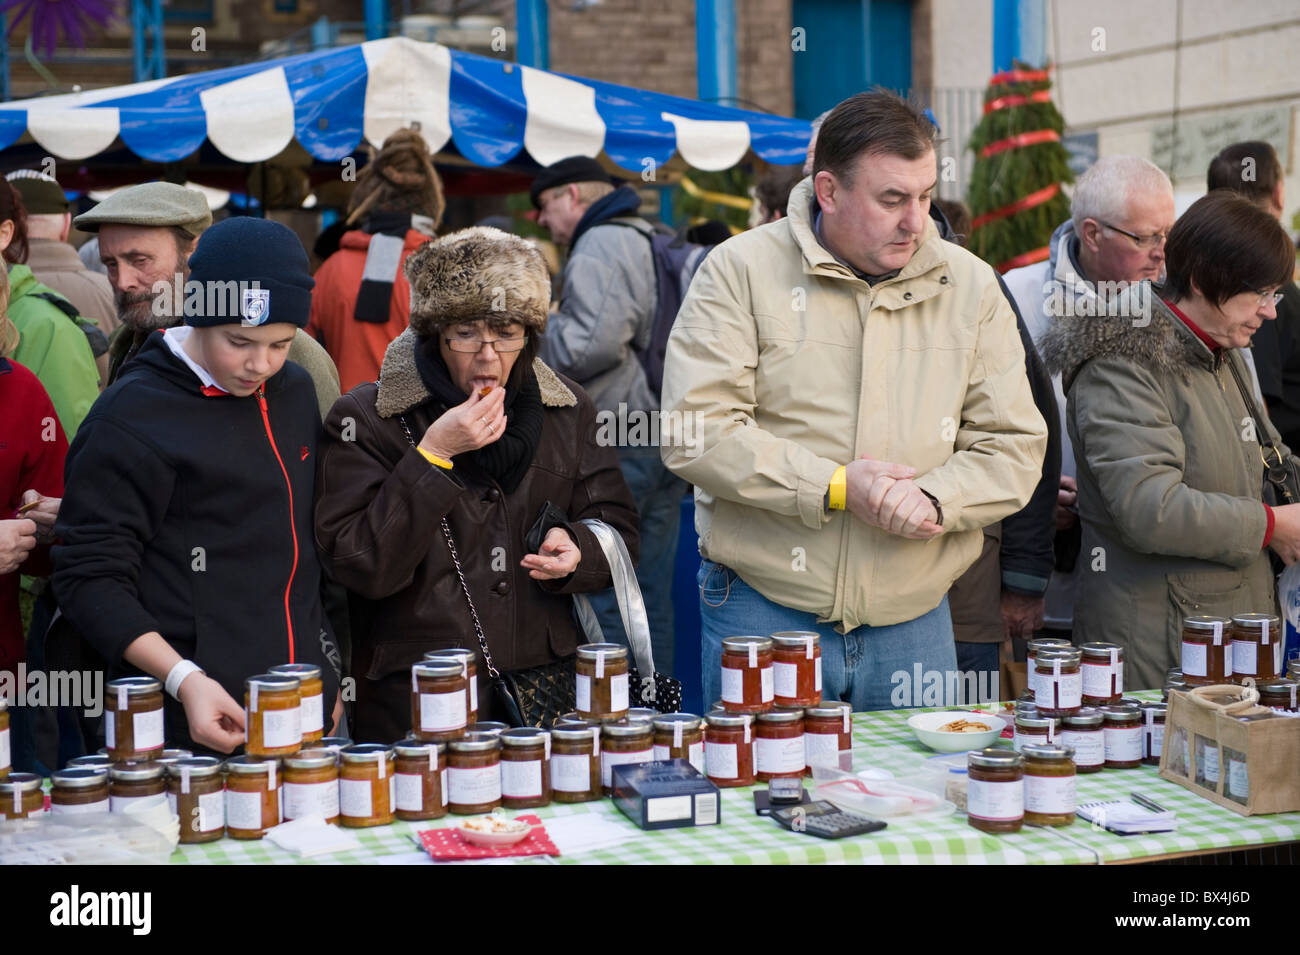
x=190 y=514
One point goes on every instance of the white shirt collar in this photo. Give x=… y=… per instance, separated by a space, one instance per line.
x=175 y=338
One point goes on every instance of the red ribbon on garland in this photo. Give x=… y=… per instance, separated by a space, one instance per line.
x=1020 y=205
x=1006 y=102
x=1024 y=139
x=1025 y=258
x=1020 y=76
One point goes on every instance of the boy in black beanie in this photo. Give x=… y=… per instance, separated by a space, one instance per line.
x=186 y=547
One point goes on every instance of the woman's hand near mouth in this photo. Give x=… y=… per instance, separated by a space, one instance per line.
x=475 y=423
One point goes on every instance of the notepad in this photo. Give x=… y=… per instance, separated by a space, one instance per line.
x=1123 y=816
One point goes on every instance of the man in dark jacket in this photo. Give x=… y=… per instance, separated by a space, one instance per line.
x=194 y=564
x=606 y=316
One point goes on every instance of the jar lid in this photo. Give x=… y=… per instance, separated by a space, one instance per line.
x=1034 y=721
x=366 y=753
x=828 y=709
x=135 y=772
x=1281 y=687
x=611 y=651
x=1047 y=751
x=21 y=782
x=1155 y=705
x=1204 y=622
x=335 y=743
x=742 y=644
x=489 y=728
x=480 y=743
x=440 y=668
x=573 y=721
x=1122 y=711
x=524 y=736
x=1067 y=655
x=314 y=758
x=1257 y=621
x=570 y=733
x=272 y=683
x=1026 y=707
x=417 y=747
x=782 y=716
x=90 y=762
x=722 y=718
x=135 y=685
x=78 y=778
x=175 y=754
x=1042 y=643
x=200 y=767
x=459 y=654
x=994 y=759
x=623 y=728
x=642 y=713
x=796 y=638
x=665 y=721
x=303 y=671
x=1086 y=716
x=1101 y=649
x=250 y=765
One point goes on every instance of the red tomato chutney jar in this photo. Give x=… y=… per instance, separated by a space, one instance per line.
x=796 y=668
x=1207 y=650
x=729 y=749
x=748 y=681
x=828 y=736
x=1103 y=673
x=1257 y=645
x=779 y=749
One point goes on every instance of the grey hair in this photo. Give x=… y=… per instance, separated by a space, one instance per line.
x=1103 y=192
x=812 y=142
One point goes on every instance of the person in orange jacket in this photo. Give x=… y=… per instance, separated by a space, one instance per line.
x=362 y=299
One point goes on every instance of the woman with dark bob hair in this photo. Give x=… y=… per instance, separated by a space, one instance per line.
x=1162 y=415
x=466 y=424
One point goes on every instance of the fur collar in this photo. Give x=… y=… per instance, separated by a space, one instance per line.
x=401 y=389
x=1164 y=345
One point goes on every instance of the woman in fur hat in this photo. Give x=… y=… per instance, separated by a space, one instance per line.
x=465 y=424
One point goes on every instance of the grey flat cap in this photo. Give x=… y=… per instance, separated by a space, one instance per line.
x=150 y=204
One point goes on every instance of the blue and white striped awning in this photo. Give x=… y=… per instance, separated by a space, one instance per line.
x=331 y=100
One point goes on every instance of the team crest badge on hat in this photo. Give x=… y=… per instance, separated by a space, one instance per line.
x=256 y=306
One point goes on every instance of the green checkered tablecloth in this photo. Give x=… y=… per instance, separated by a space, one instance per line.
x=882 y=739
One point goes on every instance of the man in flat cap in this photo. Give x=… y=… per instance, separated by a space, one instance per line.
x=605 y=317
x=146 y=234
x=52 y=258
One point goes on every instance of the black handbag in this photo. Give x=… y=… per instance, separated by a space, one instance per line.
x=1281 y=485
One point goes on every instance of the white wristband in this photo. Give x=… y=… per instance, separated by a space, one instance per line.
x=177 y=676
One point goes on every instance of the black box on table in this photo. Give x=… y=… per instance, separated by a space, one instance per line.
x=666 y=794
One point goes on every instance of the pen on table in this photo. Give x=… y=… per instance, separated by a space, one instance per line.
x=1147 y=803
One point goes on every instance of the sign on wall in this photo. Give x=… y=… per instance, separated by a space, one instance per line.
x=1184 y=148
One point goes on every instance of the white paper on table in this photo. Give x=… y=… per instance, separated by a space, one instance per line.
x=311 y=836
x=586 y=833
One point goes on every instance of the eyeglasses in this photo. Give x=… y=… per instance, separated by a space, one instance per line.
x=470 y=346
x=1144 y=242
x=1268 y=298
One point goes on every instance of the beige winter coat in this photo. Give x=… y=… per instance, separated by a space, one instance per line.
x=783 y=365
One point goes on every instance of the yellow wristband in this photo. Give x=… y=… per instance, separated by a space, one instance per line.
x=839 y=489
x=433 y=458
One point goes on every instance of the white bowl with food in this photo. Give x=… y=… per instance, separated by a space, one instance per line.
x=494 y=831
x=956 y=731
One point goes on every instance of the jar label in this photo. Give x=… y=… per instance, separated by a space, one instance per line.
x=83 y=809
x=469 y=787
x=443 y=711
x=767 y=685
x=521 y=779
x=722 y=760
x=780 y=755
x=443 y=787
x=1089 y=748
x=304 y=799
x=243 y=810
x=1098 y=680
x=582 y=694
x=1050 y=794
x=571 y=774
x=281 y=728
x=313 y=713
x=1208 y=758
x=1245 y=657
x=618 y=701
x=1154 y=735
x=609 y=760
x=211 y=811
x=356 y=798
x=822 y=749
x=119 y=803
x=817 y=674
x=1238 y=779
x=995 y=802
x=148 y=727
x=4 y=747
x=694 y=754
x=733 y=685
x=410 y=792
x=1062 y=691
x=110 y=730
x=1123 y=745
x=785 y=677
x=1194 y=659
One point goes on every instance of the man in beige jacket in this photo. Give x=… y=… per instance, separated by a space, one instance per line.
x=845 y=359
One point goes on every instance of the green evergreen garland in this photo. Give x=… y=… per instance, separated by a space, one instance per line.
x=1006 y=177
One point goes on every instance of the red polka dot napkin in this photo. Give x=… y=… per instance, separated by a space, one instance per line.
x=447 y=843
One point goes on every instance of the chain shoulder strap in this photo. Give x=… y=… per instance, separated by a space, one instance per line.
x=460 y=573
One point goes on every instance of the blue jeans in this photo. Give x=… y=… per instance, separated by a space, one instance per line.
x=658 y=495
x=873 y=668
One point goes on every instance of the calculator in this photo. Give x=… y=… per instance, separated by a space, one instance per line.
x=821 y=818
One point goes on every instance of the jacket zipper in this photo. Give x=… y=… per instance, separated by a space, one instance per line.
x=293 y=530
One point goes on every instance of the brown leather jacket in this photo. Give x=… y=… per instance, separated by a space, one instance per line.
x=378 y=511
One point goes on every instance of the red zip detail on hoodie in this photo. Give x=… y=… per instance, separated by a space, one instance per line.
x=293 y=530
